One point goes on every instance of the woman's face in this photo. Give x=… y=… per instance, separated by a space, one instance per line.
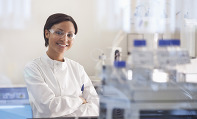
x=59 y=37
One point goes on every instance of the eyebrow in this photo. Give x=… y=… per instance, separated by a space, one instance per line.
x=60 y=29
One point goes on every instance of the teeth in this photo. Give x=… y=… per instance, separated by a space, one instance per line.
x=62 y=45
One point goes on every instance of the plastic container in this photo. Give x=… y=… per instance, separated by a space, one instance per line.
x=181 y=58
x=141 y=57
x=142 y=62
x=162 y=60
x=119 y=75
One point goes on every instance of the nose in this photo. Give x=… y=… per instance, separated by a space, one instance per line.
x=65 y=37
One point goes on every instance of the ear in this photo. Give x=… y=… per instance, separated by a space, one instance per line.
x=46 y=32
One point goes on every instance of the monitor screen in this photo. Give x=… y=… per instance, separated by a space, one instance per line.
x=15 y=111
x=14 y=103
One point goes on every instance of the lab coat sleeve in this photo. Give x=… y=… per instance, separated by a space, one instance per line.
x=43 y=98
x=91 y=108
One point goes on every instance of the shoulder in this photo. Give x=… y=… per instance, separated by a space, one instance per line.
x=35 y=63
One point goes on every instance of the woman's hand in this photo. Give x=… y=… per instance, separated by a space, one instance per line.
x=84 y=100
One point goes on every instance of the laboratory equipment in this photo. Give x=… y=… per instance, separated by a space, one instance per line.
x=14 y=103
x=159 y=83
x=145 y=96
x=142 y=62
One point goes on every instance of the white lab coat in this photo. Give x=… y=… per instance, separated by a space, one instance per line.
x=54 y=88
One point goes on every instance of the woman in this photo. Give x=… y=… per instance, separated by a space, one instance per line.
x=58 y=86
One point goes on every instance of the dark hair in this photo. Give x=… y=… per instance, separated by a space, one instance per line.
x=55 y=19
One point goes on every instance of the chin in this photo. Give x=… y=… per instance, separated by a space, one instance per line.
x=66 y=49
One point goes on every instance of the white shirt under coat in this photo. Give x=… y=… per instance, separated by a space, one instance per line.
x=54 y=88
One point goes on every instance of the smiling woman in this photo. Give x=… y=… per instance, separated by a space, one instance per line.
x=54 y=82
x=58 y=41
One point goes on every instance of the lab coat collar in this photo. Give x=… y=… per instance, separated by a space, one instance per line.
x=54 y=64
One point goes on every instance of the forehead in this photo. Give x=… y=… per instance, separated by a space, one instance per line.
x=65 y=26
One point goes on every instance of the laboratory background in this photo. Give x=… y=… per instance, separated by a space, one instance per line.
x=153 y=43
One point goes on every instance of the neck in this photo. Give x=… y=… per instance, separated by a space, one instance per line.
x=56 y=56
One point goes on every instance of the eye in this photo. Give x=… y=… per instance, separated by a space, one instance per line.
x=59 y=32
x=70 y=35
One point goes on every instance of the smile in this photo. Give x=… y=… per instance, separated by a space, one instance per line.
x=62 y=45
